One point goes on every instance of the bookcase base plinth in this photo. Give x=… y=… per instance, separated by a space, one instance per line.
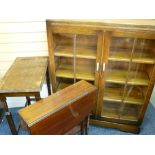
x=123 y=127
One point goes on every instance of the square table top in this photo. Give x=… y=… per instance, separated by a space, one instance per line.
x=26 y=74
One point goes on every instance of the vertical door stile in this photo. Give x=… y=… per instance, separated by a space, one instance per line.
x=51 y=47
x=100 y=43
x=98 y=57
x=103 y=47
x=74 y=57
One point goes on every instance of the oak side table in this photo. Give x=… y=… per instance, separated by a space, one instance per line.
x=24 y=78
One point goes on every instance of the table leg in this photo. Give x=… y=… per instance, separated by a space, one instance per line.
x=86 y=125
x=48 y=81
x=9 y=117
x=82 y=127
x=1 y=111
x=28 y=100
x=37 y=97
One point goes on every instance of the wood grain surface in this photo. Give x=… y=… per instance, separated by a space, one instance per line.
x=25 y=75
x=60 y=112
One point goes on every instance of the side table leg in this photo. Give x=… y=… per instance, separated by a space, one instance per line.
x=37 y=97
x=9 y=117
x=28 y=100
x=1 y=111
x=82 y=127
x=86 y=125
x=48 y=81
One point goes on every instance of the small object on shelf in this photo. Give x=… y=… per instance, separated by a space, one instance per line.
x=62 y=111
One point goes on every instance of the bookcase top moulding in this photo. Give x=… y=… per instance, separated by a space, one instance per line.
x=130 y=23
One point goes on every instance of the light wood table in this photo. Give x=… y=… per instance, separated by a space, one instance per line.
x=24 y=78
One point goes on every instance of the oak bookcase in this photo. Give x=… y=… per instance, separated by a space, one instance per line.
x=117 y=56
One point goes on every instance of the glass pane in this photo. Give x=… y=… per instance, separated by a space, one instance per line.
x=85 y=57
x=120 y=49
x=140 y=72
x=128 y=74
x=64 y=59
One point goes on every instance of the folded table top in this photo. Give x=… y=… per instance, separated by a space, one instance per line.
x=56 y=102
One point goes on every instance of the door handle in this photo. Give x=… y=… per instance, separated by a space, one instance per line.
x=103 y=67
x=97 y=66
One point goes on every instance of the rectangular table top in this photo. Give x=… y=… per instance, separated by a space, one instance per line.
x=26 y=74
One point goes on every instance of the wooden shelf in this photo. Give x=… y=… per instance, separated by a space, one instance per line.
x=116 y=95
x=112 y=110
x=63 y=85
x=138 y=57
x=82 y=72
x=65 y=70
x=135 y=78
x=81 y=52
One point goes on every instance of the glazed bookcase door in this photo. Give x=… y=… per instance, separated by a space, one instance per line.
x=128 y=76
x=73 y=57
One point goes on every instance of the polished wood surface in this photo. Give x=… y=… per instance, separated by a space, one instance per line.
x=128 y=28
x=106 y=52
x=144 y=23
x=25 y=75
x=60 y=112
x=124 y=127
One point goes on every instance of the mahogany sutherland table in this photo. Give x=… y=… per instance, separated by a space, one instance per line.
x=24 y=78
x=62 y=111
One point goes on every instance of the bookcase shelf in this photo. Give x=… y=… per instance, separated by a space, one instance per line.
x=131 y=96
x=80 y=52
x=145 y=57
x=135 y=78
x=81 y=72
x=113 y=111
